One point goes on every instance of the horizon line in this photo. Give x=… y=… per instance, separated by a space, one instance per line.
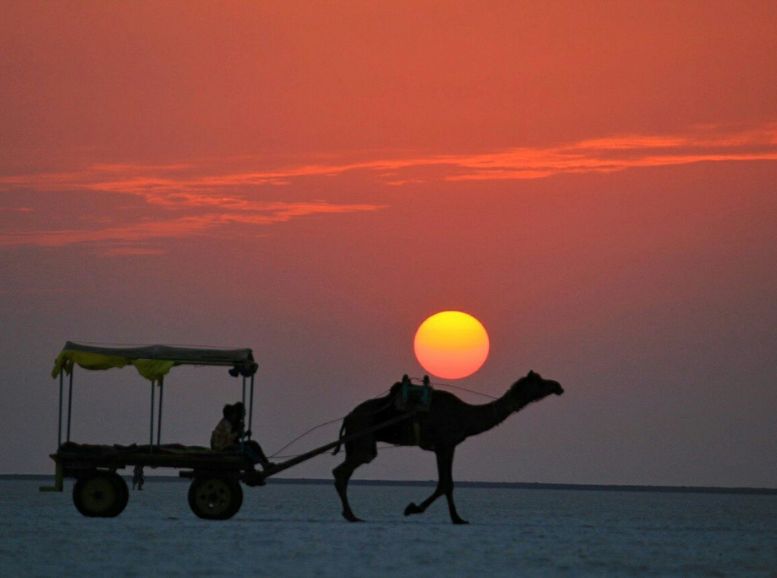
x=689 y=489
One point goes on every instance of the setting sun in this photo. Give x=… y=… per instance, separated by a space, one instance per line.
x=451 y=344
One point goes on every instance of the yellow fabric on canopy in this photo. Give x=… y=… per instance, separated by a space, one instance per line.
x=152 y=361
x=87 y=360
x=151 y=369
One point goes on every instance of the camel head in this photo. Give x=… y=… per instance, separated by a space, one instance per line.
x=533 y=387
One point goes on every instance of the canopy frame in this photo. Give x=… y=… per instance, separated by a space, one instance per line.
x=152 y=362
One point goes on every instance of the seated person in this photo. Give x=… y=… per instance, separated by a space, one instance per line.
x=230 y=431
x=224 y=435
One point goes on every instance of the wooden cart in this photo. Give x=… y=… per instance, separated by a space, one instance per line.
x=215 y=492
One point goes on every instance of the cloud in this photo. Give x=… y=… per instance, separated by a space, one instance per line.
x=178 y=227
x=125 y=251
x=192 y=184
x=619 y=153
x=15 y=210
x=188 y=199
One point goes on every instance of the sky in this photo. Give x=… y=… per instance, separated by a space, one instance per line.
x=595 y=181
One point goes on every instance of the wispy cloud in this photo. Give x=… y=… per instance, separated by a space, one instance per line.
x=187 y=199
x=131 y=251
x=172 y=184
x=168 y=227
x=620 y=153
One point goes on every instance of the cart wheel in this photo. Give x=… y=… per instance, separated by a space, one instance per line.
x=100 y=494
x=215 y=498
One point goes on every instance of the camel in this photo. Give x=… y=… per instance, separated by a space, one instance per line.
x=447 y=422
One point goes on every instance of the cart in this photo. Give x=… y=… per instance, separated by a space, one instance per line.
x=215 y=492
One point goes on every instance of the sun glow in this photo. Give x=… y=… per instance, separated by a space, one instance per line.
x=451 y=344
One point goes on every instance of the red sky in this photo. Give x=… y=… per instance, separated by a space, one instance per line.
x=594 y=181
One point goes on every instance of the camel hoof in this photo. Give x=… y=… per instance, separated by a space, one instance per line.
x=412 y=509
x=460 y=522
x=351 y=518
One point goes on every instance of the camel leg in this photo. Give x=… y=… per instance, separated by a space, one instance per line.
x=413 y=508
x=342 y=474
x=447 y=475
x=444 y=486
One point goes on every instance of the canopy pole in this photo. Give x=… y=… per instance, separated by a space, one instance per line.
x=244 y=391
x=151 y=434
x=251 y=406
x=159 y=422
x=59 y=425
x=70 y=401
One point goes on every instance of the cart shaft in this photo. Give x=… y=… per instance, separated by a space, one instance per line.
x=325 y=448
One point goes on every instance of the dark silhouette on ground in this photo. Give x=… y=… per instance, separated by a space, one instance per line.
x=447 y=422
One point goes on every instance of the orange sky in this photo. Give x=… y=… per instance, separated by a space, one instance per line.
x=595 y=181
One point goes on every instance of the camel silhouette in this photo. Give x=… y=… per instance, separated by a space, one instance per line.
x=447 y=422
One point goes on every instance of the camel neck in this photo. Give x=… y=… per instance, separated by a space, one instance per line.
x=487 y=416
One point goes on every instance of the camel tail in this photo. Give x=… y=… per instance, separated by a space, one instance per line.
x=339 y=439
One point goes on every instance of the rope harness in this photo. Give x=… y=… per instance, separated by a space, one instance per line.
x=389 y=402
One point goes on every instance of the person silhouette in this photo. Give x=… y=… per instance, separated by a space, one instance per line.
x=224 y=435
x=138 y=479
x=248 y=446
x=230 y=435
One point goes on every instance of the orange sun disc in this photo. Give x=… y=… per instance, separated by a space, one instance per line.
x=451 y=344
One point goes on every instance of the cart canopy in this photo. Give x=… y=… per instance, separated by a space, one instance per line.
x=152 y=361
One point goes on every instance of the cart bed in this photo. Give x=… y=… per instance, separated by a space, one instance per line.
x=74 y=457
